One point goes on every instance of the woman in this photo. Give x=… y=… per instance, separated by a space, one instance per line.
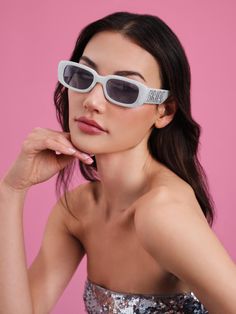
x=144 y=221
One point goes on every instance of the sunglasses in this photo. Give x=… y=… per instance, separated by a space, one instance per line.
x=117 y=89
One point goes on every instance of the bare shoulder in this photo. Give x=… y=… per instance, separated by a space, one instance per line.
x=77 y=204
x=167 y=211
x=169 y=191
x=80 y=194
x=172 y=228
x=169 y=204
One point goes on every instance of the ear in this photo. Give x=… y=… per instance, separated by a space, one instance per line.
x=165 y=114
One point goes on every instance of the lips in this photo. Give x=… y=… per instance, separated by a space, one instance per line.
x=90 y=122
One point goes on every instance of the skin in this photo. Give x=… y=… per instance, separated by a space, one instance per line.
x=141 y=227
x=127 y=130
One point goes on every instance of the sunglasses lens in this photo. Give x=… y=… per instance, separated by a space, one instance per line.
x=77 y=77
x=121 y=91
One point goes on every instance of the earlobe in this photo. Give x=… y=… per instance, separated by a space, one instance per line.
x=165 y=114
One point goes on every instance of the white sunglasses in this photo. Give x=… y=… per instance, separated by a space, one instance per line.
x=117 y=89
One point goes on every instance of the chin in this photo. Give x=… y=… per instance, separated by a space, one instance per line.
x=84 y=145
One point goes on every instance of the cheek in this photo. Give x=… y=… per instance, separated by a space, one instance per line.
x=135 y=123
x=75 y=101
x=141 y=118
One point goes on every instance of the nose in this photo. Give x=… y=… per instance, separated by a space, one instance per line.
x=95 y=99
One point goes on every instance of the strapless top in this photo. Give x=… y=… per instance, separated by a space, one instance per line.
x=98 y=299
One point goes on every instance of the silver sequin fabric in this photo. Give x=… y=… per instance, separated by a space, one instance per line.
x=98 y=299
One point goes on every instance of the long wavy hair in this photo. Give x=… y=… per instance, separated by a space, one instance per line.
x=176 y=145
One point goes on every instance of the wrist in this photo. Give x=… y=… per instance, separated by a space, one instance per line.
x=5 y=186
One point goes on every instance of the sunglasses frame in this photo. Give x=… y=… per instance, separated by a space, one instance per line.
x=146 y=95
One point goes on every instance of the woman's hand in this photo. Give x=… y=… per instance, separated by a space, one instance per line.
x=44 y=153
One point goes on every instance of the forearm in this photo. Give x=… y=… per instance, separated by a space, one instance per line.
x=15 y=293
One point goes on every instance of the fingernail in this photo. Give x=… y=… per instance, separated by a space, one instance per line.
x=89 y=160
x=71 y=150
x=85 y=156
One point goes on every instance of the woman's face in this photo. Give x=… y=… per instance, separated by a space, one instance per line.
x=125 y=128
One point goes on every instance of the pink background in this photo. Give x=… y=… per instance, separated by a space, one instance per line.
x=35 y=35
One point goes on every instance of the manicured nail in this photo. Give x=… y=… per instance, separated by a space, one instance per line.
x=89 y=160
x=85 y=156
x=71 y=150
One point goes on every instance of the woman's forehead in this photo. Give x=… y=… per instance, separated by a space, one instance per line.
x=112 y=51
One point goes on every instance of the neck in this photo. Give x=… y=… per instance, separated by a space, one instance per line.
x=124 y=177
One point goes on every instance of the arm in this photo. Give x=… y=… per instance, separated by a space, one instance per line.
x=37 y=290
x=14 y=285
x=56 y=262
x=180 y=240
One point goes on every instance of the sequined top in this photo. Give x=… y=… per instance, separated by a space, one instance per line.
x=98 y=299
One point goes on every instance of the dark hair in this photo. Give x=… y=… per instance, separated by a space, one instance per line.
x=175 y=145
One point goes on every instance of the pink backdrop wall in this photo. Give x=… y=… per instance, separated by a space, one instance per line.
x=35 y=35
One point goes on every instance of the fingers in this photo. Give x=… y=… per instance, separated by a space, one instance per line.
x=59 y=142
x=83 y=157
x=71 y=150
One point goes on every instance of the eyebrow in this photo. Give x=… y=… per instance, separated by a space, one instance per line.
x=121 y=73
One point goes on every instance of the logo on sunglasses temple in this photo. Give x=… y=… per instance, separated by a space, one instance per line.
x=156 y=96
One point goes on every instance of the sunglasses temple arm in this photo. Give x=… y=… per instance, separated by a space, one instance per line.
x=155 y=96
